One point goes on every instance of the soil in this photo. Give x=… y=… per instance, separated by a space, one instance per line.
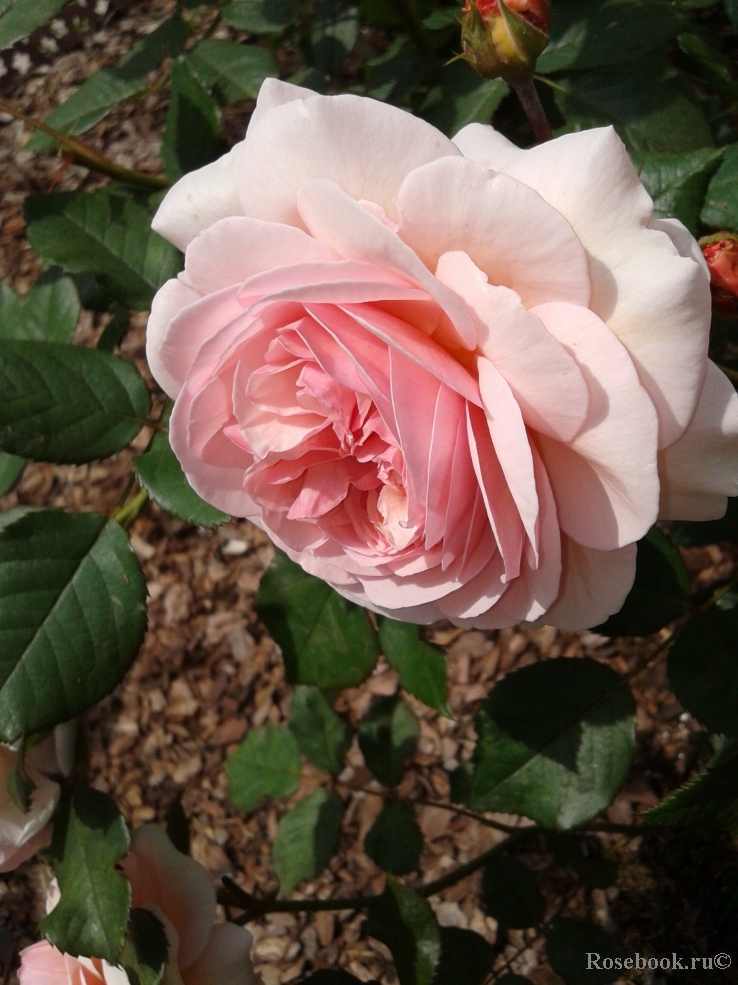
x=208 y=671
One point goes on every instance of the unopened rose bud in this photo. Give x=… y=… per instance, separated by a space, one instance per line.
x=503 y=38
x=721 y=253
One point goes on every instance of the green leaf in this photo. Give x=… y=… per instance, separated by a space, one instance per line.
x=394 y=842
x=720 y=210
x=307 y=838
x=461 y=97
x=403 y=921
x=660 y=592
x=569 y=943
x=597 y=871
x=107 y=87
x=49 y=312
x=191 y=131
x=159 y=472
x=104 y=233
x=388 y=735
x=694 y=533
x=233 y=72
x=731 y=8
x=325 y=640
x=703 y=670
x=333 y=34
x=510 y=893
x=144 y=954
x=19 y=18
x=90 y=837
x=677 y=183
x=422 y=667
x=261 y=16
x=11 y=467
x=322 y=734
x=591 y=35
x=266 y=764
x=20 y=786
x=72 y=616
x=714 y=69
x=465 y=957
x=116 y=328
x=555 y=742
x=63 y=403
x=178 y=827
x=709 y=801
x=644 y=104
x=395 y=74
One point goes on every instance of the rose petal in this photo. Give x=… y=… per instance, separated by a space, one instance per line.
x=366 y=146
x=226 y=959
x=168 y=301
x=199 y=199
x=594 y=585
x=507 y=229
x=605 y=481
x=482 y=143
x=701 y=468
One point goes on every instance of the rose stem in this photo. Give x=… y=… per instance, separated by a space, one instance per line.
x=531 y=103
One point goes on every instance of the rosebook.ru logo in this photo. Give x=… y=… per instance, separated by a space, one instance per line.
x=596 y=962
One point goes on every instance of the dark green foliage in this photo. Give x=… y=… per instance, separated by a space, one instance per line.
x=266 y=764
x=394 y=842
x=404 y=921
x=322 y=735
x=510 y=893
x=465 y=957
x=388 y=736
x=567 y=944
x=307 y=838
x=422 y=667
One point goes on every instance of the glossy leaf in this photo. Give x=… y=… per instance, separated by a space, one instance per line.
x=394 y=842
x=19 y=18
x=106 y=234
x=325 y=640
x=589 y=35
x=709 y=801
x=72 y=616
x=159 y=472
x=388 y=735
x=461 y=97
x=113 y=333
x=678 y=182
x=731 y=8
x=659 y=594
x=266 y=764
x=422 y=667
x=90 y=838
x=307 y=838
x=333 y=34
x=233 y=72
x=107 y=87
x=403 y=921
x=394 y=75
x=11 y=468
x=48 y=313
x=465 y=957
x=510 y=893
x=703 y=670
x=555 y=742
x=645 y=106
x=720 y=210
x=191 y=130
x=568 y=943
x=713 y=68
x=321 y=733
x=261 y=16
x=144 y=955
x=63 y=403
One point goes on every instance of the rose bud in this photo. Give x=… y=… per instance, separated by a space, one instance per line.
x=721 y=253
x=504 y=40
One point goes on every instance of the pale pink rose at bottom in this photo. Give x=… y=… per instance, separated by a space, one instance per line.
x=454 y=379
x=180 y=893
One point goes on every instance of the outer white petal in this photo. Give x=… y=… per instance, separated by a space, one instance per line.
x=654 y=299
x=594 y=585
x=199 y=199
x=367 y=147
x=701 y=469
x=483 y=144
x=168 y=301
x=226 y=959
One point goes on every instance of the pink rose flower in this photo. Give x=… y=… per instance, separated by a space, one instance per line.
x=452 y=378
x=23 y=834
x=179 y=891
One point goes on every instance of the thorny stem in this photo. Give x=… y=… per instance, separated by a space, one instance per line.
x=82 y=153
x=531 y=103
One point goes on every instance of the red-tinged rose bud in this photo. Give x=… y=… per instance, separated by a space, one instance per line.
x=721 y=253
x=503 y=38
